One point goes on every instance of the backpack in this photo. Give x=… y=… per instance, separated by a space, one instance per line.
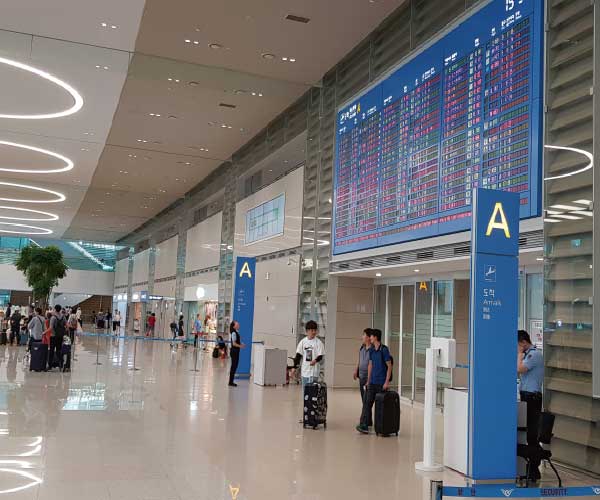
x=391 y=359
x=73 y=322
x=60 y=327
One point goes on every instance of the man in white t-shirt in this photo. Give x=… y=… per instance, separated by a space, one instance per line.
x=310 y=351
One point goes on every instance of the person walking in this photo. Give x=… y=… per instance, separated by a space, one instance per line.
x=310 y=351
x=58 y=329
x=78 y=313
x=198 y=330
x=151 y=325
x=378 y=378
x=72 y=324
x=116 y=322
x=362 y=369
x=236 y=346
x=15 y=326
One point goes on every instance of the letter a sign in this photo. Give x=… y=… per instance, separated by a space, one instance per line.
x=493 y=319
x=243 y=309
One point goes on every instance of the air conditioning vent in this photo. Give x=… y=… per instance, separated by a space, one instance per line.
x=462 y=250
x=394 y=259
x=366 y=263
x=344 y=266
x=522 y=242
x=225 y=105
x=298 y=19
x=425 y=255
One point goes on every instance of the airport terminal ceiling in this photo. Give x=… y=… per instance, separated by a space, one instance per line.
x=144 y=101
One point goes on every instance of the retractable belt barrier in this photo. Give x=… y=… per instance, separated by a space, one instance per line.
x=511 y=491
x=156 y=339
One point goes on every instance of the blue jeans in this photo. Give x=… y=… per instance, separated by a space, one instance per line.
x=309 y=380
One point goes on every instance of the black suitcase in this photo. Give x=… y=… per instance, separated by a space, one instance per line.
x=315 y=405
x=3 y=337
x=387 y=413
x=39 y=357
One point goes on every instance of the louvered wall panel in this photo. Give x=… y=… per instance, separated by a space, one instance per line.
x=569 y=243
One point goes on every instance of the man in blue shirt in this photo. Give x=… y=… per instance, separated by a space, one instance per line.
x=530 y=366
x=378 y=378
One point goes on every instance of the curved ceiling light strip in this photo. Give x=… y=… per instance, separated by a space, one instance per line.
x=77 y=105
x=59 y=196
x=23 y=229
x=50 y=215
x=583 y=152
x=68 y=163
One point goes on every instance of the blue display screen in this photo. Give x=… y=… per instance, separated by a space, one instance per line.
x=266 y=220
x=466 y=112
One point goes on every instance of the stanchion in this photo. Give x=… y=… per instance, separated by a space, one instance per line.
x=97 y=350
x=195 y=369
x=134 y=368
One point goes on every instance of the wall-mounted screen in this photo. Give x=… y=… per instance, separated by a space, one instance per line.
x=266 y=220
x=465 y=112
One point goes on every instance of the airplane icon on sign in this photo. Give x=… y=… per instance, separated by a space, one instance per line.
x=490 y=273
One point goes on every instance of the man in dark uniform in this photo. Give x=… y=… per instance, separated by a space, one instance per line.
x=530 y=366
x=236 y=345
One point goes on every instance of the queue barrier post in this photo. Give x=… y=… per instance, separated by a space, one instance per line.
x=97 y=350
x=134 y=368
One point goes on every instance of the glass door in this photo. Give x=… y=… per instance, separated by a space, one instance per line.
x=423 y=303
x=405 y=367
x=393 y=333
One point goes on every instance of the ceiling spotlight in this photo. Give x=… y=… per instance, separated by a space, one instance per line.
x=292 y=59
x=170 y=79
x=49 y=216
x=378 y=275
x=68 y=163
x=260 y=95
x=196 y=42
x=58 y=196
x=176 y=81
x=78 y=100
x=104 y=25
x=84 y=149
x=188 y=40
x=268 y=56
x=284 y=58
x=114 y=26
x=253 y=93
x=215 y=46
x=540 y=259
x=417 y=270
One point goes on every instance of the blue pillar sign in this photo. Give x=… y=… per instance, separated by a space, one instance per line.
x=243 y=309
x=494 y=311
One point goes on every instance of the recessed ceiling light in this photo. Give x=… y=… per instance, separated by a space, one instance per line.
x=260 y=95
x=215 y=46
x=132 y=156
x=268 y=56
x=49 y=216
x=58 y=196
x=270 y=170
x=196 y=42
x=378 y=275
x=253 y=93
x=187 y=40
x=284 y=58
x=104 y=25
x=417 y=270
x=292 y=59
x=88 y=133
x=176 y=80
x=68 y=163
x=540 y=259
x=114 y=26
x=78 y=100
x=84 y=149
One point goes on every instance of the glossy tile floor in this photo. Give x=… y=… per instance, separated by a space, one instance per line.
x=167 y=433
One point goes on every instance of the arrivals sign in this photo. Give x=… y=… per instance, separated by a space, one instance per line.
x=243 y=309
x=492 y=440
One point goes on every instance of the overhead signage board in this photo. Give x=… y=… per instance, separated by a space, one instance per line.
x=464 y=113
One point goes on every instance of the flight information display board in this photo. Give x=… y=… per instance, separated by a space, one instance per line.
x=464 y=113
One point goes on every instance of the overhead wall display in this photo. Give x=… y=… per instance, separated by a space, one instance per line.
x=266 y=220
x=463 y=113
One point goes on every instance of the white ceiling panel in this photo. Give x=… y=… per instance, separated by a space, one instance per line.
x=76 y=20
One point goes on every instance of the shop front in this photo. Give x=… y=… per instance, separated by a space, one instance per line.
x=201 y=299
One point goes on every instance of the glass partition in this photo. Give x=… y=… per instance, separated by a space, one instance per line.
x=407 y=345
x=424 y=294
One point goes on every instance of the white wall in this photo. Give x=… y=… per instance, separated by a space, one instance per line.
x=121 y=272
x=165 y=263
x=203 y=244
x=276 y=303
x=141 y=267
x=76 y=281
x=166 y=289
x=292 y=186
x=211 y=292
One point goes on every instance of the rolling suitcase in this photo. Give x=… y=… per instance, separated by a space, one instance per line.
x=39 y=357
x=387 y=413
x=315 y=405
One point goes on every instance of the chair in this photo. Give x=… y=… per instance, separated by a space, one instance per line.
x=542 y=451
